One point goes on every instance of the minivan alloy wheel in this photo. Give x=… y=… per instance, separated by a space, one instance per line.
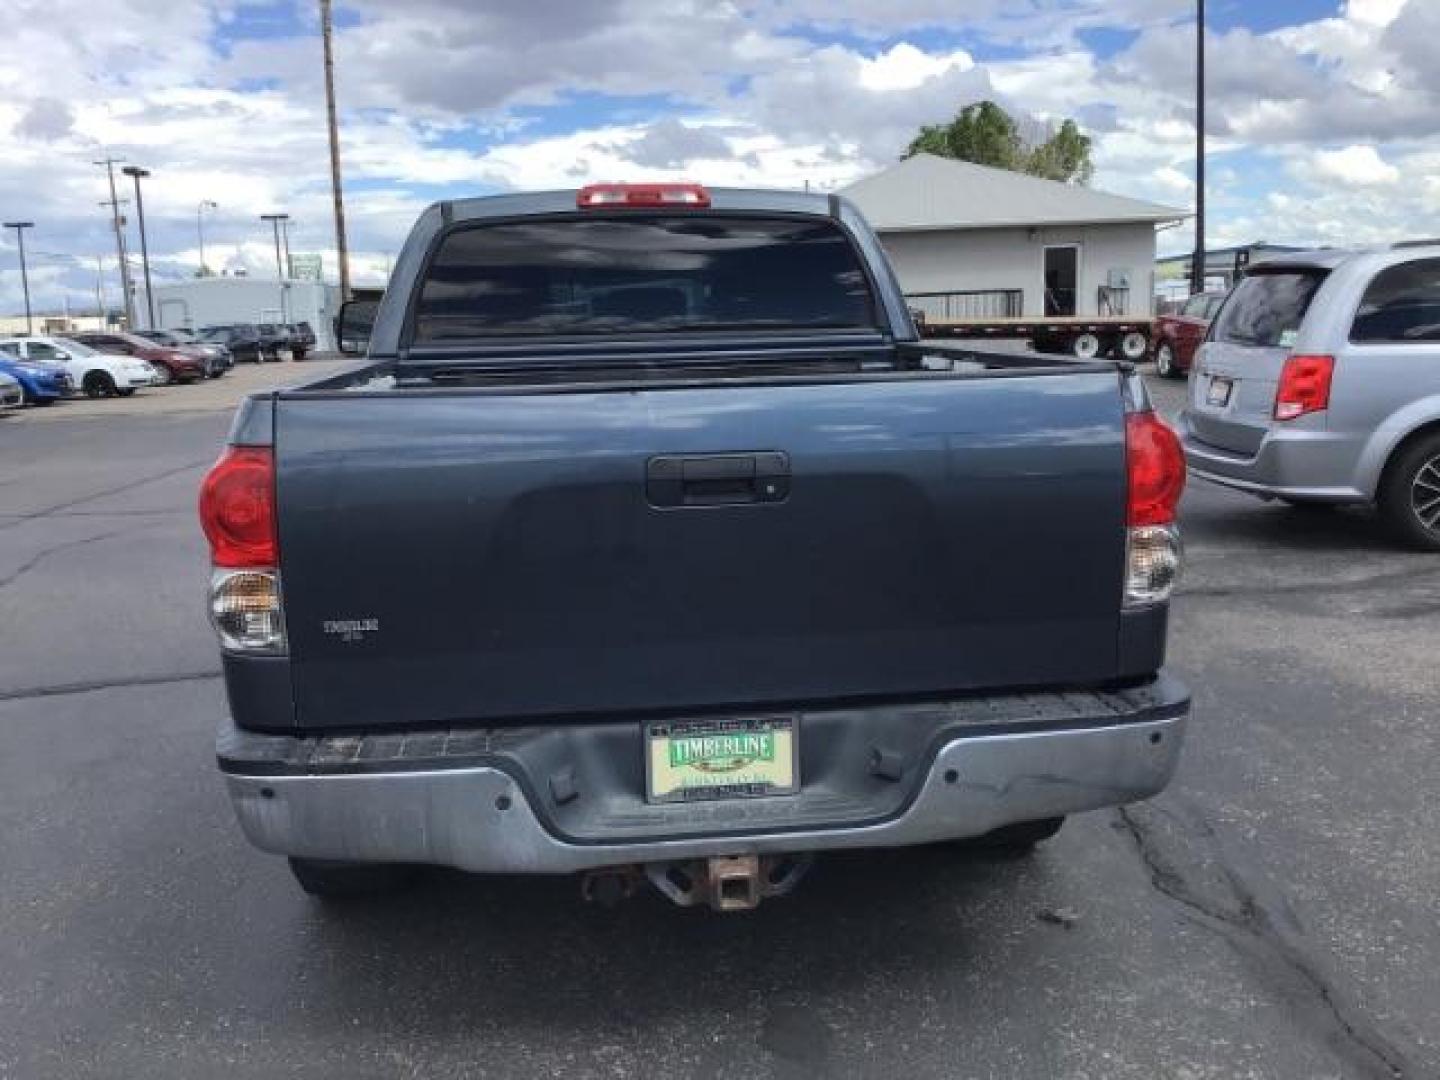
x=1409 y=494
x=1425 y=493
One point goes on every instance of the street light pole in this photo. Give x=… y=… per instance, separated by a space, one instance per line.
x=342 y=253
x=116 y=221
x=20 y=227
x=137 y=174
x=1197 y=268
x=285 y=238
x=275 y=220
x=205 y=204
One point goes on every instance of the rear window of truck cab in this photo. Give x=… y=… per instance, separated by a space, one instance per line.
x=1266 y=309
x=642 y=273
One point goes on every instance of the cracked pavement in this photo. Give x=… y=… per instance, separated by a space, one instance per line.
x=1273 y=914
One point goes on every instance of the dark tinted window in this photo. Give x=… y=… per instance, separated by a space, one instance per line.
x=1402 y=304
x=609 y=275
x=1266 y=309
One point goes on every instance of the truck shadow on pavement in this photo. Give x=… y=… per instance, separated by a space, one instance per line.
x=529 y=953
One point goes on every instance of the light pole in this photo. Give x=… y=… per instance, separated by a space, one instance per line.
x=119 y=224
x=285 y=239
x=20 y=227
x=137 y=174
x=1197 y=268
x=205 y=204
x=341 y=251
x=275 y=220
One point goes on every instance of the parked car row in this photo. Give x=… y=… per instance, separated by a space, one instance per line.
x=99 y=365
x=36 y=369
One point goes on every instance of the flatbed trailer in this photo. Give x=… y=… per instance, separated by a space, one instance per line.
x=1086 y=337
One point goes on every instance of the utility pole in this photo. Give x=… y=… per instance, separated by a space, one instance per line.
x=205 y=204
x=20 y=227
x=275 y=220
x=137 y=174
x=1197 y=268
x=117 y=221
x=341 y=252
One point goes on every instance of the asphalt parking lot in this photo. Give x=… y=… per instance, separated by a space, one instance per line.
x=1273 y=914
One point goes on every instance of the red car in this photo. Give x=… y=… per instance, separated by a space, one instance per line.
x=1175 y=338
x=172 y=364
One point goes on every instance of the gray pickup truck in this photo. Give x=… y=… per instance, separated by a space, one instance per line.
x=650 y=542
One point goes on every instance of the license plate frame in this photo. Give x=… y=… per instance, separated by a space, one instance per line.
x=759 y=756
x=1219 y=392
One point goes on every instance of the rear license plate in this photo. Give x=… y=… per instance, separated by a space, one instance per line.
x=1218 y=393
x=687 y=760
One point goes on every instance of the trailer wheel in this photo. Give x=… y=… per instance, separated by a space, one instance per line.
x=1133 y=346
x=1085 y=346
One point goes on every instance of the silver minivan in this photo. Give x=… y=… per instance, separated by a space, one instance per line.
x=1319 y=382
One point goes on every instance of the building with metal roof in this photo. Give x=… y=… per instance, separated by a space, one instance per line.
x=973 y=242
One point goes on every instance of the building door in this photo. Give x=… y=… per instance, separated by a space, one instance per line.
x=1062 y=278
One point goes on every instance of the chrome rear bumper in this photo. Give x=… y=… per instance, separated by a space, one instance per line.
x=482 y=818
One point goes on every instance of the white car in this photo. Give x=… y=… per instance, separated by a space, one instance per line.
x=97 y=374
x=12 y=396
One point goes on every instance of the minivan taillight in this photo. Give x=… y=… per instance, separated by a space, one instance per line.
x=1304 y=386
x=1155 y=466
x=237 y=512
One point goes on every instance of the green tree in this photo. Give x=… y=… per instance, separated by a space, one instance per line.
x=987 y=135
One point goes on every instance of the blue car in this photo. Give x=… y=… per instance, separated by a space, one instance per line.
x=43 y=384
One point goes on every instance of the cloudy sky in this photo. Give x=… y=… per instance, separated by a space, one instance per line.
x=1324 y=115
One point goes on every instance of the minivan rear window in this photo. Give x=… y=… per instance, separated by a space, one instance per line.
x=650 y=273
x=1267 y=309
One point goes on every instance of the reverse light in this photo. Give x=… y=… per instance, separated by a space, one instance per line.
x=641 y=196
x=246 y=610
x=237 y=508
x=1155 y=465
x=1304 y=386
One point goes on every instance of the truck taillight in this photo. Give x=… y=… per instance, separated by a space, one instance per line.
x=1156 y=471
x=237 y=512
x=640 y=196
x=1156 y=467
x=237 y=508
x=1304 y=386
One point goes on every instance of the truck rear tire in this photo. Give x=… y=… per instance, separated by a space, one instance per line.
x=1133 y=346
x=1087 y=346
x=330 y=880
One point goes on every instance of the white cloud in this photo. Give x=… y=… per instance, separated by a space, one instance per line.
x=1359 y=166
x=904 y=67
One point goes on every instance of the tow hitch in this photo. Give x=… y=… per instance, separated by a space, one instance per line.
x=725 y=882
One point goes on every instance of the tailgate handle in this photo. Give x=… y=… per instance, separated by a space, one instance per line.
x=717 y=479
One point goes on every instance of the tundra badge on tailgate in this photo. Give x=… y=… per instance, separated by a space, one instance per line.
x=351 y=629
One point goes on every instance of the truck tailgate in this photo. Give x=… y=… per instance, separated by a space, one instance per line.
x=474 y=556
